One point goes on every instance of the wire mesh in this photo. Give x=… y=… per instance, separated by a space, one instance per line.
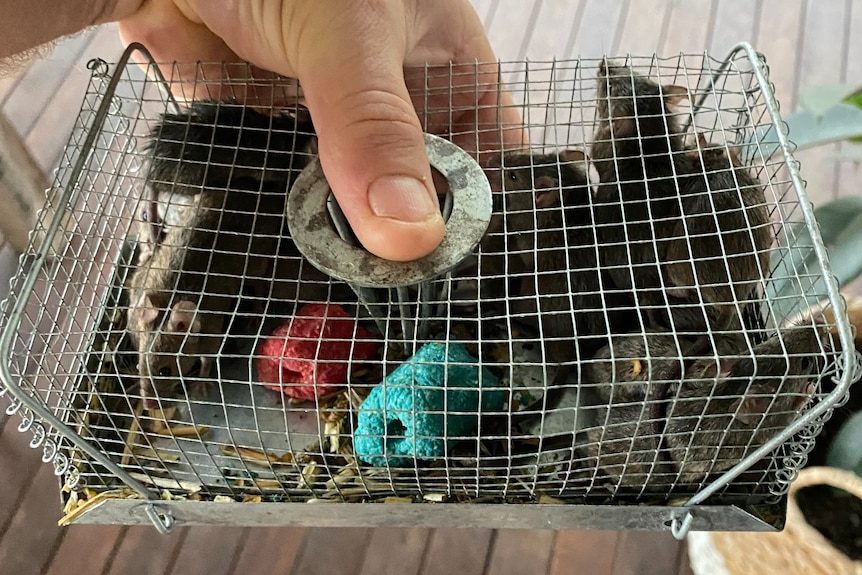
x=512 y=391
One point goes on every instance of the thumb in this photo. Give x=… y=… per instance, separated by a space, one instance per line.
x=369 y=137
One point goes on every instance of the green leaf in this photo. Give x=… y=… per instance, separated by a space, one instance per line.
x=818 y=99
x=836 y=215
x=845 y=452
x=805 y=130
x=840 y=223
x=839 y=122
x=845 y=257
x=855 y=99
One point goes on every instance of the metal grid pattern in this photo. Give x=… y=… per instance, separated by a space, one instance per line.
x=555 y=424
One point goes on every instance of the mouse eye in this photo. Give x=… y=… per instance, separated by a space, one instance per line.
x=513 y=176
x=165 y=371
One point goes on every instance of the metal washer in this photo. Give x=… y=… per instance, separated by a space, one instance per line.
x=316 y=238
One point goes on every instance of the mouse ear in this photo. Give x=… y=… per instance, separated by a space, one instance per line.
x=712 y=370
x=735 y=154
x=623 y=128
x=495 y=161
x=184 y=318
x=807 y=392
x=574 y=165
x=571 y=156
x=147 y=310
x=674 y=95
x=750 y=409
x=725 y=366
x=719 y=369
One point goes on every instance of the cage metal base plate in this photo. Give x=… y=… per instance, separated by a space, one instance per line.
x=500 y=516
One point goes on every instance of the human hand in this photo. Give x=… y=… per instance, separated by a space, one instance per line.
x=349 y=58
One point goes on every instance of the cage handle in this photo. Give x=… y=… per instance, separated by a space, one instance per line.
x=162 y=520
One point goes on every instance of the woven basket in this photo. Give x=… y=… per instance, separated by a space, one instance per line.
x=798 y=550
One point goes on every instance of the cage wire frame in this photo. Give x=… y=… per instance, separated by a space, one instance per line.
x=59 y=440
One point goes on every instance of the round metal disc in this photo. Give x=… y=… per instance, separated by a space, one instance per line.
x=316 y=238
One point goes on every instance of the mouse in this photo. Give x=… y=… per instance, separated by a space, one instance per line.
x=712 y=416
x=630 y=378
x=687 y=229
x=183 y=298
x=719 y=249
x=639 y=366
x=718 y=413
x=213 y=144
x=549 y=227
x=636 y=148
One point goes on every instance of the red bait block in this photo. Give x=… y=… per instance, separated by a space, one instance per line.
x=307 y=356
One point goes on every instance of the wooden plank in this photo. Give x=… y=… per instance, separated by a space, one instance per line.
x=519 y=551
x=645 y=27
x=210 y=550
x=22 y=186
x=332 y=550
x=8 y=267
x=780 y=27
x=394 y=551
x=85 y=549
x=689 y=27
x=598 y=33
x=487 y=10
x=734 y=22
x=510 y=28
x=32 y=537
x=270 y=550
x=20 y=464
x=42 y=81
x=145 y=551
x=646 y=553
x=821 y=62
x=51 y=130
x=549 y=34
x=823 y=43
x=583 y=552
x=461 y=551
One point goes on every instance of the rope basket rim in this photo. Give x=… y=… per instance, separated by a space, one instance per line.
x=799 y=548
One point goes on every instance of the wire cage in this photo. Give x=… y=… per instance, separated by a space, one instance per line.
x=483 y=381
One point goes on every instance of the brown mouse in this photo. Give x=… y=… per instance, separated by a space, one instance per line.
x=549 y=227
x=214 y=145
x=718 y=414
x=636 y=147
x=713 y=416
x=211 y=143
x=639 y=366
x=719 y=251
x=661 y=206
x=182 y=298
x=632 y=376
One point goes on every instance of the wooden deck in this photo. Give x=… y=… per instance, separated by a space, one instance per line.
x=806 y=43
